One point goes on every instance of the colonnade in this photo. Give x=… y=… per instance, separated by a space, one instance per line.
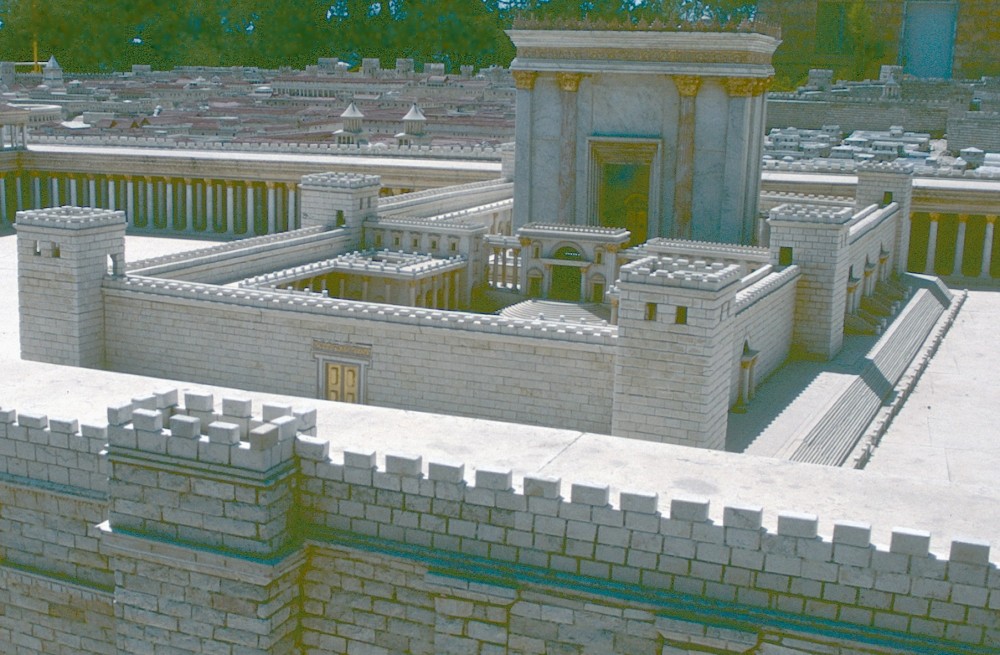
x=436 y=291
x=155 y=203
x=499 y=259
x=954 y=245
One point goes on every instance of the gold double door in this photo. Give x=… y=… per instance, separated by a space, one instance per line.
x=343 y=382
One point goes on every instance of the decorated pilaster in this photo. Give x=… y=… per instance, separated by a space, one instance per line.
x=524 y=81
x=63 y=255
x=675 y=355
x=569 y=85
x=687 y=89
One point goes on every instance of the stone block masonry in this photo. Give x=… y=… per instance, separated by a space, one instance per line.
x=225 y=530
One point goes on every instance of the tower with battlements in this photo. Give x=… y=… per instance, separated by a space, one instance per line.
x=675 y=354
x=64 y=253
x=344 y=200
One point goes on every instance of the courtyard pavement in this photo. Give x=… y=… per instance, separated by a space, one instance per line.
x=943 y=450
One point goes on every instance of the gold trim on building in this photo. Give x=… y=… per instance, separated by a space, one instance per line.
x=687 y=85
x=569 y=81
x=651 y=54
x=742 y=87
x=524 y=79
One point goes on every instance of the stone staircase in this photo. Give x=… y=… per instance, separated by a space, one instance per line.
x=586 y=313
x=824 y=422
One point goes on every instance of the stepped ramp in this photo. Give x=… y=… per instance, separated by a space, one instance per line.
x=824 y=422
x=550 y=310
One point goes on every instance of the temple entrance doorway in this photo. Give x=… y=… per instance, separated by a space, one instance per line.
x=566 y=279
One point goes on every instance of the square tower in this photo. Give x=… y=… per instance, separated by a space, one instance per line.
x=63 y=254
x=340 y=200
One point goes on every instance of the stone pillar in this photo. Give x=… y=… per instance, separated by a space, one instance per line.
x=671 y=311
x=230 y=207
x=988 y=247
x=150 y=215
x=71 y=183
x=130 y=199
x=36 y=190
x=569 y=84
x=932 y=243
x=960 y=245
x=54 y=190
x=524 y=81
x=3 y=199
x=62 y=260
x=19 y=192
x=188 y=202
x=687 y=88
x=272 y=210
x=292 y=214
x=251 y=221
x=209 y=205
x=112 y=194
x=92 y=189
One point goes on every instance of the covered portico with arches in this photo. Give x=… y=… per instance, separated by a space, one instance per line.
x=569 y=263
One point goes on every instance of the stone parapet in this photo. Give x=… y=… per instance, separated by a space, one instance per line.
x=813 y=214
x=340 y=180
x=670 y=272
x=70 y=218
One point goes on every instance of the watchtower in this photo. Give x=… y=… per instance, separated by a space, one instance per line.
x=63 y=255
x=340 y=200
x=675 y=354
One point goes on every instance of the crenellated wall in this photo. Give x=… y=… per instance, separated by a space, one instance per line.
x=225 y=530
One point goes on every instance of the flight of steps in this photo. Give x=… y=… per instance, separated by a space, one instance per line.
x=531 y=310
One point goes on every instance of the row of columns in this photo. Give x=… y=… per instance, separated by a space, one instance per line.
x=232 y=207
x=439 y=291
x=500 y=257
x=960 y=245
x=13 y=136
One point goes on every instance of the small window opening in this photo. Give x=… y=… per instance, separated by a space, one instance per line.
x=453 y=247
x=38 y=249
x=681 y=317
x=651 y=311
x=340 y=218
x=785 y=256
x=56 y=253
x=378 y=240
x=886 y=198
x=395 y=242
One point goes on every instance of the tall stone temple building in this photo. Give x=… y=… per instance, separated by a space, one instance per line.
x=548 y=478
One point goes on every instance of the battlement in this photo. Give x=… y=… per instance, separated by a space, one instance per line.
x=70 y=218
x=341 y=180
x=896 y=167
x=816 y=214
x=198 y=431
x=668 y=271
x=547 y=229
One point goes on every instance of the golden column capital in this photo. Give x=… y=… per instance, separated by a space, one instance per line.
x=127 y=177
x=269 y=185
x=687 y=85
x=611 y=248
x=962 y=218
x=934 y=216
x=741 y=87
x=524 y=79
x=991 y=219
x=525 y=241
x=762 y=84
x=569 y=81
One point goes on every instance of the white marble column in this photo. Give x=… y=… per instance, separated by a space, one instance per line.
x=272 y=210
x=54 y=191
x=3 y=199
x=36 y=191
x=209 y=205
x=149 y=202
x=112 y=194
x=71 y=183
x=92 y=189
x=19 y=192
x=569 y=85
x=292 y=214
x=129 y=199
x=988 y=247
x=230 y=208
x=188 y=202
x=251 y=226
x=932 y=244
x=524 y=81
x=959 y=245
x=168 y=188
